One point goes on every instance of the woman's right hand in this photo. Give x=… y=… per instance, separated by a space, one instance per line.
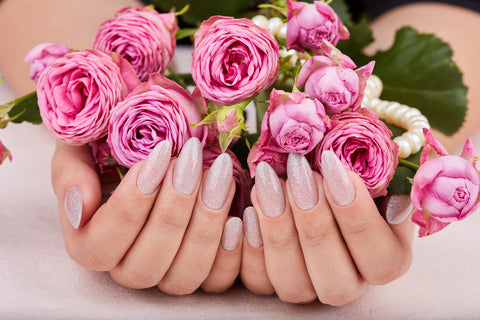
x=162 y=226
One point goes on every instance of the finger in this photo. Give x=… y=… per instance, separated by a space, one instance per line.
x=378 y=254
x=151 y=255
x=76 y=185
x=226 y=267
x=196 y=255
x=284 y=260
x=329 y=264
x=253 y=271
x=103 y=241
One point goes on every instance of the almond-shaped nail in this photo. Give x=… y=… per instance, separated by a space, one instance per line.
x=251 y=228
x=232 y=233
x=337 y=180
x=269 y=190
x=301 y=181
x=154 y=167
x=398 y=208
x=73 y=205
x=217 y=182
x=188 y=168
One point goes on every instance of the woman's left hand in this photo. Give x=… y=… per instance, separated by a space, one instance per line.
x=321 y=237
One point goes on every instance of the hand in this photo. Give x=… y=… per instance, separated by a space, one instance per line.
x=163 y=224
x=321 y=237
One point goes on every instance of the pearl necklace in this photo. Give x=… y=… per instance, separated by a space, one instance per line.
x=400 y=115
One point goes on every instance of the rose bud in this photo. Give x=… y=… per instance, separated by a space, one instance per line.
x=4 y=153
x=262 y=151
x=445 y=188
x=77 y=92
x=43 y=55
x=156 y=110
x=142 y=36
x=363 y=144
x=332 y=80
x=102 y=155
x=309 y=24
x=233 y=60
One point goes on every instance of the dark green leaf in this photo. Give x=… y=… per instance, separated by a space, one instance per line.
x=27 y=107
x=400 y=182
x=418 y=71
x=360 y=37
x=341 y=8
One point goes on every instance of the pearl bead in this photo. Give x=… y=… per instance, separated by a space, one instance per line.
x=274 y=25
x=260 y=21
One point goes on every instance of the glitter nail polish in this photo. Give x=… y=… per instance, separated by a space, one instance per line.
x=217 y=182
x=232 y=233
x=188 y=168
x=269 y=190
x=398 y=208
x=251 y=228
x=73 y=205
x=301 y=181
x=337 y=180
x=154 y=167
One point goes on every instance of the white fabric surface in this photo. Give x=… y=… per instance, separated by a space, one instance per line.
x=38 y=280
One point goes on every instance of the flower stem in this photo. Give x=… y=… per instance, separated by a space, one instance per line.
x=408 y=164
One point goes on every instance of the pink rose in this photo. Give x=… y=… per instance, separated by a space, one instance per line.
x=333 y=81
x=445 y=188
x=77 y=92
x=102 y=155
x=142 y=36
x=156 y=110
x=309 y=24
x=233 y=60
x=4 y=153
x=294 y=122
x=43 y=55
x=240 y=175
x=262 y=152
x=363 y=143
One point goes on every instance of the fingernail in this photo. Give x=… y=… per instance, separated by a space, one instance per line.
x=73 y=206
x=336 y=178
x=154 y=167
x=252 y=228
x=232 y=233
x=269 y=190
x=188 y=167
x=217 y=182
x=301 y=181
x=398 y=208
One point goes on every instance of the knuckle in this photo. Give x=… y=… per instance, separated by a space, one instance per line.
x=341 y=297
x=130 y=217
x=135 y=279
x=207 y=235
x=389 y=272
x=176 y=289
x=95 y=259
x=315 y=237
x=176 y=222
x=297 y=297
x=357 y=226
x=278 y=240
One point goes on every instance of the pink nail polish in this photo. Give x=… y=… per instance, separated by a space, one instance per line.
x=269 y=190
x=232 y=233
x=251 y=228
x=154 y=167
x=73 y=205
x=301 y=181
x=188 y=168
x=337 y=180
x=398 y=208
x=217 y=182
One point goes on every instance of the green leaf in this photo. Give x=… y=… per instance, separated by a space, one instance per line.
x=400 y=182
x=26 y=109
x=360 y=37
x=418 y=71
x=341 y=8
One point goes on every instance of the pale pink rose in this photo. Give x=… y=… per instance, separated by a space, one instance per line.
x=4 y=153
x=363 y=144
x=262 y=152
x=241 y=176
x=156 y=110
x=294 y=122
x=233 y=60
x=309 y=24
x=142 y=36
x=77 y=92
x=335 y=83
x=102 y=155
x=445 y=188
x=43 y=55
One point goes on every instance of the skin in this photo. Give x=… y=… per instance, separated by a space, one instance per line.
x=335 y=252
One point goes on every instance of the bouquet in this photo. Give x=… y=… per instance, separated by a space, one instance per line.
x=302 y=67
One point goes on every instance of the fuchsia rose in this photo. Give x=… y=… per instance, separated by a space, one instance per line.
x=240 y=175
x=142 y=36
x=363 y=144
x=332 y=80
x=309 y=24
x=43 y=55
x=102 y=155
x=77 y=92
x=445 y=188
x=156 y=110
x=233 y=60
